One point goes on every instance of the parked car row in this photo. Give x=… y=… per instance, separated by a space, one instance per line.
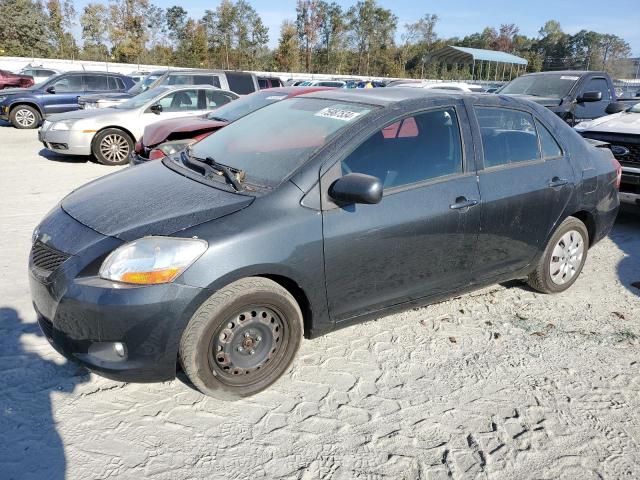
x=299 y=211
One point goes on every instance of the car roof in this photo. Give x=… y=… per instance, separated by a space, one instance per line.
x=577 y=73
x=384 y=96
x=91 y=72
x=292 y=91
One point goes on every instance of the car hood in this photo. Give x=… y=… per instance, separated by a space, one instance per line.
x=624 y=122
x=158 y=132
x=106 y=96
x=149 y=199
x=544 y=101
x=92 y=113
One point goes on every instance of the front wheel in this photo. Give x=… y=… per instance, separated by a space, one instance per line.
x=563 y=258
x=112 y=147
x=242 y=339
x=25 y=116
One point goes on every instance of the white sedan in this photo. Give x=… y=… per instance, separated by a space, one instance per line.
x=455 y=86
x=110 y=133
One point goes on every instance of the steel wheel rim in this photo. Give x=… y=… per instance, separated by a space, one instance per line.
x=25 y=118
x=566 y=258
x=114 y=148
x=258 y=328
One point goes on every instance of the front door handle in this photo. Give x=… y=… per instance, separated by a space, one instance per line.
x=558 y=182
x=463 y=202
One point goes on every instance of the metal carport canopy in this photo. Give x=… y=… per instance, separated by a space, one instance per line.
x=451 y=54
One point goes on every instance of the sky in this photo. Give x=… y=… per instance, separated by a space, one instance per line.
x=463 y=17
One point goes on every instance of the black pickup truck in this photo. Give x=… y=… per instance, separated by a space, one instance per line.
x=574 y=96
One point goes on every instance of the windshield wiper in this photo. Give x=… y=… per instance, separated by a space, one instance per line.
x=210 y=167
x=235 y=179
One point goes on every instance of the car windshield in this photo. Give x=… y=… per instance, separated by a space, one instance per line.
x=143 y=84
x=635 y=108
x=271 y=143
x=234 y=110
x=141 y=99
x=546 y=85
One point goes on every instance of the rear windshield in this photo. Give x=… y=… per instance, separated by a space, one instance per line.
x=240 y=83
x=274 y=141
x=553 y=86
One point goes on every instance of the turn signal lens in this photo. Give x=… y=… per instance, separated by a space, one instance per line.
x=156 y=154
x=618 y=167
x=152 y=260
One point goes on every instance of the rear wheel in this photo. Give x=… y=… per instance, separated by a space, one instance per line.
x=242 y=339
x=25 y=116
x=112 y=147
x=563 y=258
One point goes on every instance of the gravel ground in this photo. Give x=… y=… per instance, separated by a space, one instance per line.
x=500 y=383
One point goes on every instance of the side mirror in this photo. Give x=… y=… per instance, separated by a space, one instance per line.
x=615 y=107
x=156 y=108
x=590 y=97
x=51 y=89
x=356 y=188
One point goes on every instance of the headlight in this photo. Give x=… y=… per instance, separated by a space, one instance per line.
x=89 y=106
x=176 y=146
x=63 y=125
x=152 y=260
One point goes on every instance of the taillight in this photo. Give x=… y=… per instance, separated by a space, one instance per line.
x=156 y=154
x=618 y=167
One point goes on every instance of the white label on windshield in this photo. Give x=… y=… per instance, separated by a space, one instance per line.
x=339 y=113
x=567 y=77
x=276 y=97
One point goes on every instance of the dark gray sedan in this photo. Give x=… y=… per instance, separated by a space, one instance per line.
x=308 y=215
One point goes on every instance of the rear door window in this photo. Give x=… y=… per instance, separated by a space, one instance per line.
x=508 y=136
x=415 y=149
x=217 y=98
x=96 y=83
x=206 y=80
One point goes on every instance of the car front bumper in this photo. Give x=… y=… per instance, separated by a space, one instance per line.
x=630 y=185
x=136 y=159
x=66 y=142
x=84 y=316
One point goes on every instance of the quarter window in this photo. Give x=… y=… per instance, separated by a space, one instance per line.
x=96 y=83
x=548 y=144
x=414 y=149
x=508 y=136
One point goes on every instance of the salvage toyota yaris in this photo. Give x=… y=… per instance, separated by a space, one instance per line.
x=308 y=215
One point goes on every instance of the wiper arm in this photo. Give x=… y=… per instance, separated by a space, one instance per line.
x=226 y=172
x=218 y=119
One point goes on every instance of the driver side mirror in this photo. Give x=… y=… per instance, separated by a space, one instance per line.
x=615 y=107
x=51 y=89
x=356 y=188
x=590 y=97
x=156 y=108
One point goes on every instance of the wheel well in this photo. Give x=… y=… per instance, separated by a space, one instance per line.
x=587 y=218
x=301 y=297
x=30 y=104
x=114 y=127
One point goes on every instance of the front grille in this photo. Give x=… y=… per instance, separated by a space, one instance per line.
x=46 y=326
x=632 y=158
x=47 y=258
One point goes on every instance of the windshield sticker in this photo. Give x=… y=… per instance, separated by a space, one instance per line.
x=341 y=112
x=276 y=97
x=567 y=77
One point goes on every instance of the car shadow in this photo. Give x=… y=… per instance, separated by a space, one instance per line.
x=56 y=157
x=626 y=235
x=31 y=445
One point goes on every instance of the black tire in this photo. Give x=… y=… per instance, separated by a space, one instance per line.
x=25 y=117
x=542 y=278
x=215 y=348
x=101 y=146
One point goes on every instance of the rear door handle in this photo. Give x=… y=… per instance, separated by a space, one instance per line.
x=462 y=202
x=558 y=182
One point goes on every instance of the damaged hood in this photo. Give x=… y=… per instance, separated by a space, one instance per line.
x=624 y=122
x=158 y=132
x=149 y=199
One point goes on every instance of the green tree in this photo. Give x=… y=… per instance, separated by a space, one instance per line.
x=24 y=28
x=93 y=23
x=61 y=20
x=287 y=55
x=127 y=29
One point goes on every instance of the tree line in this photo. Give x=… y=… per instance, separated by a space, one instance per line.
x=324 y=37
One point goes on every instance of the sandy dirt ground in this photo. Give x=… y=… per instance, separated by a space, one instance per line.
x=500 y=383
